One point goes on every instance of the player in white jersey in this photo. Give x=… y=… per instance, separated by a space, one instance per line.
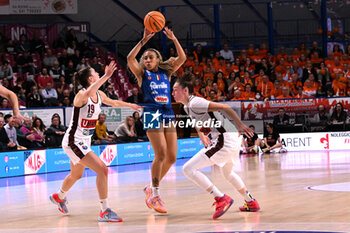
x=221 y=151
x=77 y=140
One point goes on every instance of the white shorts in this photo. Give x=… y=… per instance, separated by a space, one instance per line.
x=77 y=150
x=223 y=149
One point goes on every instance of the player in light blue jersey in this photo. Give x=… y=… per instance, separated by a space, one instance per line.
x=153 y=76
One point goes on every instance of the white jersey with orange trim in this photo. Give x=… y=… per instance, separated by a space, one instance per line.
x=83 y=121
x=213 y=123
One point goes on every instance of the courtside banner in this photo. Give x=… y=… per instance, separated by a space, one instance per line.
x=318 y=141
x=108 y=154
x=11 y=164
x=187 y=148
x=57 y=160
x=129 y=153
x=34 y=162
x=261 y=110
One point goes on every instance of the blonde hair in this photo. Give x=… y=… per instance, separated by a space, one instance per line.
x=164 y=65
x=126 y=121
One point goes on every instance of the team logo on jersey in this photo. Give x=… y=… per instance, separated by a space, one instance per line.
x=151 y=120
x=162 y=99
x=85 y=147
x=85 y=123
x=149 y=78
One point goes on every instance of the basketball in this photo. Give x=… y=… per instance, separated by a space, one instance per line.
x=154 y=21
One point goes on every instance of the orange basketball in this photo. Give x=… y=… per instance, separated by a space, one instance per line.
x=154 y=21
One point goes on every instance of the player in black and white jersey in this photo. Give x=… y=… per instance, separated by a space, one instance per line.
x=220 y=151
x=77 y=140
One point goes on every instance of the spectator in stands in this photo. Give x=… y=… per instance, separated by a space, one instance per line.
x=248 y=94
x=25 y=64
x=101 y=132
x=198 y=53
x=34 y=99
x=136 y=97
x=11 y=47
x=69 y=72
x=25 y=140
x=37 y=45
x=70 y=37
x=82 y=64
x=56 y=71
x=20 y=91
x=23 y=44
x=308 y=90
x=277 y=90
x=2 y=144
x=71 y=48
x=321 y=118
x=140 y=132
x=338 y=115
x=226 y=53
x=212 y=96
x=50 y=96
x=237 y=95
x=6 y=71
x=8 y=136
x=282 y=118
x=265 y=87
x=285 y=93
x=49 y=59
x=126 y=131
x=54 y=134
x=97 y=67
x=220 y=95
x=35 y=139
x=85 y=49
x=5 y=104
x=64 y=59
x=61 y=85
x=251 y=144
x=66 y=98
x=110 y=92
x=44 y=78
x=309 y=69
x=38 y=126
x=315 y=48
x=272 y=139
x=76 y=58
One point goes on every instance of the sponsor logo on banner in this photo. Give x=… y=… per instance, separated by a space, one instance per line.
x=85 y=123
x=151 y=120
x=109 y=154
x=325 y=141
x=34 y=162
x=162 y=99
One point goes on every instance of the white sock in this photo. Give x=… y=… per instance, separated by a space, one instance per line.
x=247 y=196
x=155 y=191
x=216 y=192
x=61 y=194
x=104 y=204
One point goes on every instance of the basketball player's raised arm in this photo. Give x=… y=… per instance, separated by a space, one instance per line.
x=117 y=103
x=181 y=56
x=82 y=96
x=132 y=62
x=242 y=128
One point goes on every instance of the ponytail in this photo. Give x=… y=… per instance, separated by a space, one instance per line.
x=186 y=81
x=81 y=78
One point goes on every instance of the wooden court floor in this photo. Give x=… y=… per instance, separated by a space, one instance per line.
x=297 y=191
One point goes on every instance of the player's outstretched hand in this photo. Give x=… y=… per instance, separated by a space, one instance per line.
x=20 y=117
x=135 y=107
x=109 y=70
x=169 y=33
x=206 y=141
x=147 y=35
x=242 y=128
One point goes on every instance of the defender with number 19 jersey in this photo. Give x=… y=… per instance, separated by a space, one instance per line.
x=77 y=140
